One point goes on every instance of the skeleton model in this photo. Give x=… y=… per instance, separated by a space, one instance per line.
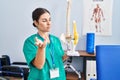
x=71 y=42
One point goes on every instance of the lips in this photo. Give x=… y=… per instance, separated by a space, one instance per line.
x=48 y=27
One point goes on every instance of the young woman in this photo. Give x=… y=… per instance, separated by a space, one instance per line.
x=43 y=51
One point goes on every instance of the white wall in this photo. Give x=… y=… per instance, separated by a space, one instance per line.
x=16 y=23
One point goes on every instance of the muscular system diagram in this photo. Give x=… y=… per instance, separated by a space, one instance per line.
x=97 y=17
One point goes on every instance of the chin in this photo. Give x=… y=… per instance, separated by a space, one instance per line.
x=48 y=30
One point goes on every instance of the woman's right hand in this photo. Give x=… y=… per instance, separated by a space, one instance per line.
x=39 y=43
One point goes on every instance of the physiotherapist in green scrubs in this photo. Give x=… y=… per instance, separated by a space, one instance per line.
x=43 y=51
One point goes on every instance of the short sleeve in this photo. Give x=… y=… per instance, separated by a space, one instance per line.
x=58 y=46
x=29 y=50
x=61 y=49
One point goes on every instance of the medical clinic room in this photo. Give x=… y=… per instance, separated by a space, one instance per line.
x=59 y=40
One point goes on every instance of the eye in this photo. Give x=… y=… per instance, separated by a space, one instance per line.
x=44 y=20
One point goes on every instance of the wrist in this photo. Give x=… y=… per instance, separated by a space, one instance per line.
x=41 y=47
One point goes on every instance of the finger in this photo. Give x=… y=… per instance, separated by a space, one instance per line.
x=40 y=45
x=37 y=43
x=36 y=39
x=44 y=43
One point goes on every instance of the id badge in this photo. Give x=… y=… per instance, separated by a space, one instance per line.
x=54 y=73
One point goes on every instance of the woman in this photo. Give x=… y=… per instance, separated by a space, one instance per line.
x=43 y=51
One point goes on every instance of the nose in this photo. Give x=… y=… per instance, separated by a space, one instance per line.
x=48 y=22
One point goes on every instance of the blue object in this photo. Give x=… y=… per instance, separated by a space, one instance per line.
x=90 y=43
x=93 y=79
x=108 y=62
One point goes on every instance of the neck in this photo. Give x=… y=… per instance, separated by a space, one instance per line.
x=45 y=35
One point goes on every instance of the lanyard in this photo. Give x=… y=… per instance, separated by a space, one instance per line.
x=52 y=54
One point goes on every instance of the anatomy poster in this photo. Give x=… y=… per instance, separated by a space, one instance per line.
x=97 y=17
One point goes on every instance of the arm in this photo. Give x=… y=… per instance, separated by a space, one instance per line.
x=65 y=57
x=39 y=60
x=102 y=14
x=94 y=13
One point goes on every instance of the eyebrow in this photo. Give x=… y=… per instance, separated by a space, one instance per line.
x=46 y=18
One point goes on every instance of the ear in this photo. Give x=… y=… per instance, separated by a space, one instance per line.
x=35 y=22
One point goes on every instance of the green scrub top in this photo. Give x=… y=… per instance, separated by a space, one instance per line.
x=30 y=50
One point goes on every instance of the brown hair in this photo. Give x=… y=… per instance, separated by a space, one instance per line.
x=37 y=13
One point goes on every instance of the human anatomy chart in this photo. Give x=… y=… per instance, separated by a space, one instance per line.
x=97 y=17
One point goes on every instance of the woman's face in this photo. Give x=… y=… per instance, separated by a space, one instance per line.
x=44 y=23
